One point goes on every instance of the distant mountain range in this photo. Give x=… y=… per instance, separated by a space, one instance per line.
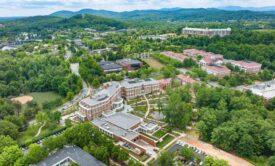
x=176 y=14
x=238 y=8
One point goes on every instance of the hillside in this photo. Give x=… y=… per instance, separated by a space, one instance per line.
x=175 y=14
x=40 y=23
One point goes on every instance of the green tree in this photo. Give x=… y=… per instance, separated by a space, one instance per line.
x=187 y=153
x=9 y=155
x=271 y=161
x=6 y=141
x=210 y=161
x=68 y=123
x=8 y=129
x=165 y=159
x=36 y=153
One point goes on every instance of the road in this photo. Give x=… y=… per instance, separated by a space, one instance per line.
x=85 y=91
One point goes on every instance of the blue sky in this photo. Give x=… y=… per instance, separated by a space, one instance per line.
x=43 y=7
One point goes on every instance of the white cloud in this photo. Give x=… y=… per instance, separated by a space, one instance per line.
x=42 y=7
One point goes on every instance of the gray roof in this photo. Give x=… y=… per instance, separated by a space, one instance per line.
x=102 y=95
x=108 y=65
x=123 y=120
x=72 y=153
x=130 y=83
x=129 y=61
x=115 y=130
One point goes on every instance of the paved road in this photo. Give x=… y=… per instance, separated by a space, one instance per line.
x=85 y=91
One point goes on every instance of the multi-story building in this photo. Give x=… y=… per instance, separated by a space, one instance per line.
x=247 y=66
x=219 y=71
x=136 y=87
x=108 y=66
x=208 y=58
x=110 y=97
x=130 y=64
x=206 y=32
x=125 y=128
x=173 y=55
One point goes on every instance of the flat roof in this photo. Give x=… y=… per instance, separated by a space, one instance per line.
x=129 y=61
x=119 y=124
x=128 y=83
x=108 y=65
x=73 y=153
x=123 y=120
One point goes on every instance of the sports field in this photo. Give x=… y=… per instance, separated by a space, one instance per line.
x=154 y=63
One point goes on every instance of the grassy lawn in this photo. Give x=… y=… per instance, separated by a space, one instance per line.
x=165 y=141
x=159 y=133
x=154 y=63
x=41 y=97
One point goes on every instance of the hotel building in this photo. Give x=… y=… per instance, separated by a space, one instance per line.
x=206 y=32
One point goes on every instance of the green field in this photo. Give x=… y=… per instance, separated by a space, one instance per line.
x=41 y=97
x=159 y=133
x=168 y=138
x=154 y=63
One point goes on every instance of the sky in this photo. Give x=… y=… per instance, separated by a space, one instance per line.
x=10 y=8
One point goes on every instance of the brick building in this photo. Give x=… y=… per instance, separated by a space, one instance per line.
x=247 y=66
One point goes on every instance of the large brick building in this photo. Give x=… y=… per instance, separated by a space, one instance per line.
x=135 y=87
x=110 y=96
x=124 y=127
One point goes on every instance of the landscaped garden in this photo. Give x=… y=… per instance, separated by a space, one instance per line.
x=159 y=133
x=167 y=139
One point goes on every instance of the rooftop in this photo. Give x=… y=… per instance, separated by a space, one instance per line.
x=174 y=55
x=186 y=78
x=206 y=29
x=73 y=154
x=128 y=61
x=246 y=64
x=108 y=65
x=119 y=124
x=129 y=83
x=217 y=69
x=123 y=120
x=102 y=94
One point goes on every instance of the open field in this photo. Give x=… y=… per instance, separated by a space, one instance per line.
x=41 y=97
x=22 y=99
x=154 y=63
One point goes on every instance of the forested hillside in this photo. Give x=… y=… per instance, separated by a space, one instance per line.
x=43 y=23
x=175 y=15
